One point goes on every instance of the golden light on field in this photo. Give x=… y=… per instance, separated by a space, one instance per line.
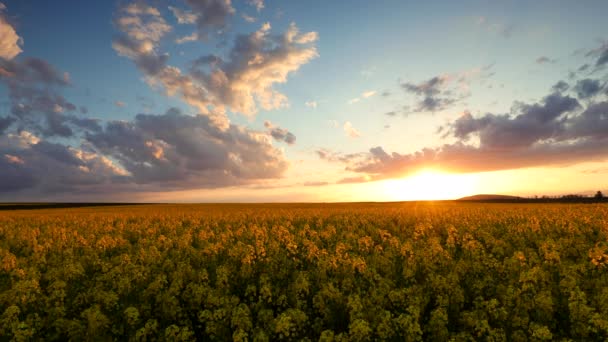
x=430 y=185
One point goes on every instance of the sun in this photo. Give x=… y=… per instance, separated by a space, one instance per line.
x=430 y=185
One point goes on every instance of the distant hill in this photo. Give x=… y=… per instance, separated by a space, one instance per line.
x=486 y=197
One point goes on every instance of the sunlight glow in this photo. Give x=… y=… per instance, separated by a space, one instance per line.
x=430 y=185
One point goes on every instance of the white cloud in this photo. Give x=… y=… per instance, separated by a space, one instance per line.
x=350 y=130
x=190 y=38
x=9 y=40
x=248 y=18
x=368 y=93
x=311 y=104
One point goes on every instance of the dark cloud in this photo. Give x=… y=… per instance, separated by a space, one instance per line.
x=560 y=86
x=442 y=91
x=280 y=134
x=5 y=123
x=210 y=15
x=433 y=93
x=588 y=88
x=36 y=103
x=175 y=150
x=601 y=53
x=31 y=165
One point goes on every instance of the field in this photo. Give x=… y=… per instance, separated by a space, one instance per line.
x=332 y=272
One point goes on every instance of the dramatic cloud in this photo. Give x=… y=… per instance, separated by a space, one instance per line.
x=556 y=131
x=33 y=92
x=280 y=134
x=9 y=40
x=241 y=82
x=350 y=130
x=28 y=163
x=174 y=150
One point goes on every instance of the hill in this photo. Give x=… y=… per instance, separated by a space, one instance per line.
x=488 y=197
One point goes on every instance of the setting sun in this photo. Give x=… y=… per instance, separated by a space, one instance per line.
x=430 y=185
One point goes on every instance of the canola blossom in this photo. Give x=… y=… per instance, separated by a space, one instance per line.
x=436 y=271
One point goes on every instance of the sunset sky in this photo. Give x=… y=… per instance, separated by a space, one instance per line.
x=266 y=101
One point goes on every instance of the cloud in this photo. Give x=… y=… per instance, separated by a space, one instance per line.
x=142 y=23
x=545 y=60
x=248 y=18
x=350 y=130
x=189 y=38
x=280 y=134
x=315 y=183
x=588 y=88
x=560 y=86
x=9 y=40
x=311 y=104
x=601 y=53
x=558 y=130
x=210 y=15
x=434 y=95
x=369 y=93
x=183 y=16
x=176 y=151
x=242 y=82
x=364 y=95
x=258 y=4
x=38 y=166
x=35 y=101
x=5 y=123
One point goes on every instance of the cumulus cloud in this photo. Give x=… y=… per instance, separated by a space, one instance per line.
x=350 y=130
x=9 y=39
x=280 y=134
x=35 y=100
x=32 y=164
x=240 y=82
x=174 y=150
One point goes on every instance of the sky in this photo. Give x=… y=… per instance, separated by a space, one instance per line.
x=301 y=101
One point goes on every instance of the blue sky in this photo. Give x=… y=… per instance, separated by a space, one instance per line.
x=355 y=84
